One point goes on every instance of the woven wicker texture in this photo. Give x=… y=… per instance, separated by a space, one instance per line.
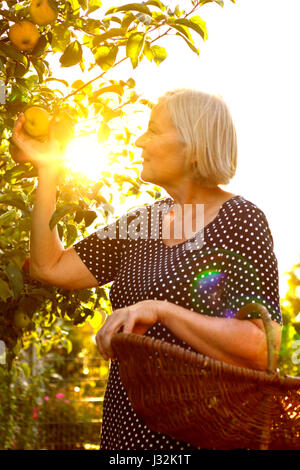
x=205 y=402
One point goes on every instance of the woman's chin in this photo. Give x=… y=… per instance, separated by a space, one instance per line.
x=144 y=177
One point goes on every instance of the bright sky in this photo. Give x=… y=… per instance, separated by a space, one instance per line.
x=251 y=58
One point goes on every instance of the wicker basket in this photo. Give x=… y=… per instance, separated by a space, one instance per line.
x=208 y=403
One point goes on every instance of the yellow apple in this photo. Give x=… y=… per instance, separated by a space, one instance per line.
x=41 y=12
x=37 y=121
x=21 y=320
x=24 y=35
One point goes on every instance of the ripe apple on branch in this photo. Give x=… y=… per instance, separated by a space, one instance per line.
x=38 y=123
x=41 y=12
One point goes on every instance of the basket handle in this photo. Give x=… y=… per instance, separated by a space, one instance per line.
x=269 y=330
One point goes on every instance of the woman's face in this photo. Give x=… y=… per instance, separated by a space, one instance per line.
x=163 y=150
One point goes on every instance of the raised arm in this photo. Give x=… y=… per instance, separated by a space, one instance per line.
x=49 y=261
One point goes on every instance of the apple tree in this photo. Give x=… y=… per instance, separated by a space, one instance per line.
x=97 y=37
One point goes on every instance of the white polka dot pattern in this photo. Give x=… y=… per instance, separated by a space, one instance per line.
x=236 y=265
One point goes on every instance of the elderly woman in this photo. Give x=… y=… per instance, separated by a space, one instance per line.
x=181 y=286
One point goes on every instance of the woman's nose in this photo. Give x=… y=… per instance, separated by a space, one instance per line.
x=140 y=142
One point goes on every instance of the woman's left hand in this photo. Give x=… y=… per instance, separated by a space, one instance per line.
x=137 y=318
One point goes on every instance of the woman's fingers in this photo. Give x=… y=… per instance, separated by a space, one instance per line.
x=99 y=346
x=112 y=325
x=32 y=150
x=17 y=129
x=136 y=318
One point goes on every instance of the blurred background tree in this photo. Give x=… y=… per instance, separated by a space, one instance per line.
x=289 y=360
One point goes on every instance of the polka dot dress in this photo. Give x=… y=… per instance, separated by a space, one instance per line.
x=231 y=264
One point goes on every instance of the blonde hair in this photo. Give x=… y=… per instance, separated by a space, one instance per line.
x=204 y=123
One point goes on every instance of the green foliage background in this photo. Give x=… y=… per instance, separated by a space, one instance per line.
x=110 y=35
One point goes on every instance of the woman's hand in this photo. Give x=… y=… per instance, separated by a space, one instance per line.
x=137 y=318
x=40 y=154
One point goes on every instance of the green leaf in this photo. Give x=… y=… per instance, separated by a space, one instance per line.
x=159 y=54
x=60 y=213
x=156 y=3
x=182 y=29
x=219 y=2
x=191 y=46
x=101 y=199
x=20 y=70
x=15 y=278
x=67 y=344
x=79 y=216
x=5 y=292
x=20 y=171
x=105 y=56
x=107 y=89
x=10 y=51
x=94 y=5
x=103 y=132
x=71 y=234
x=72 y=55
x=115 y=19
x=127 y=20
x=134 y=47
x=83 y=4
x=8 y=218
x=147 y=51
x=112 y=33
x=60 y=231
x=75 y=4
x=89 y=217
x=64 y=82
x=40 y=46
x=61 y=37
x=130 y=82
x=40 y=68
x=26 y=369
x=196 y=23
x=84 y=109
x=14 y=200
x=130 y=7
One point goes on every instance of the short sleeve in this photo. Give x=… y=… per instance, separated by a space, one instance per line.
x=102 y=251
x=100 y=255
x=252 y=268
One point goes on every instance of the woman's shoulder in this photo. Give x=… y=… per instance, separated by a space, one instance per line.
x=246 y=217
x=240 y=207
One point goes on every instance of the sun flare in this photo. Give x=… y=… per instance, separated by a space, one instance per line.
x=86 y=156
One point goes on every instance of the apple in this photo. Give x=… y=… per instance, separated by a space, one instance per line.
x=24 y=35
x=41 y=12
x=21 y=320
x=37 y=121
